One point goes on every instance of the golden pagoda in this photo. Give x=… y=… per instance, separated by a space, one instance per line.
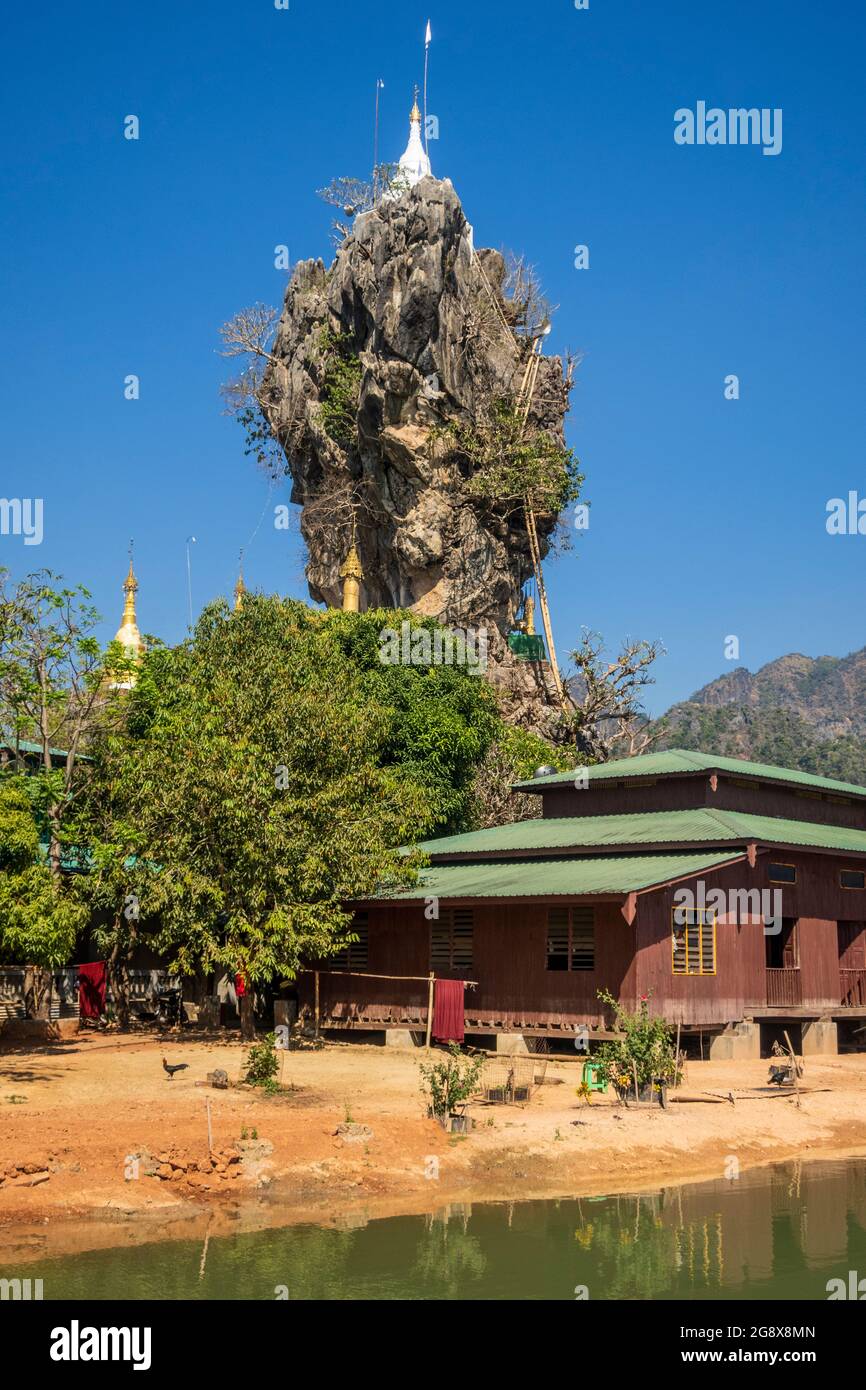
x=240 y=590
x=351 y=574
x=128 y=634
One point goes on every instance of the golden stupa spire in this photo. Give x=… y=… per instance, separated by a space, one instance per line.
x=415 y=113
x=351 y=574
x=240 y=587
x=128 y=634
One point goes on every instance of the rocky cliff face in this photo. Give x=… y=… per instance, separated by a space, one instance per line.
x=406 y=333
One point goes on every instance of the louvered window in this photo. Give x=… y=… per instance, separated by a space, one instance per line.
x=571 y=938
x=355 y=955
x=451 y=939
x=693 y=942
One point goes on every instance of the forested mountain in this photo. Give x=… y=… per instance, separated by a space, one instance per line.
x=798 y=711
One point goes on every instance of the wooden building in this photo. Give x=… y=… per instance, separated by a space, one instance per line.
x=731 y=893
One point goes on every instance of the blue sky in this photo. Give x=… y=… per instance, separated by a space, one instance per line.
x=556 y=127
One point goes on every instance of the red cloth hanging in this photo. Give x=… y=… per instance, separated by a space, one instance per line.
x=448 y=1011
x=240 y=986
x=91 y=989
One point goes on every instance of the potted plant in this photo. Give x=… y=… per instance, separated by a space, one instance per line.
x=644 y=1051
x=448 y=1084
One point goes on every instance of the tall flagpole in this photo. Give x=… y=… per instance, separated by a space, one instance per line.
x=427 y=37
x=379 y=85
x=190 y=540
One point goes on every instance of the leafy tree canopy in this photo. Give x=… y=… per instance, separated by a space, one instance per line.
x=271 y=767
x=38 y=924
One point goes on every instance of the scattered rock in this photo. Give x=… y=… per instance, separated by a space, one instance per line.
x=353 y=1133
x=31 y=1179
x=251 y=1149
x=147 y=1164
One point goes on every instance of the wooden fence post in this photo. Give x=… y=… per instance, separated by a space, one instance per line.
x=429 y=1011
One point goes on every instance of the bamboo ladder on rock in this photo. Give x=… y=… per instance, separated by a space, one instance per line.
x=527 y=390
x=524 y=405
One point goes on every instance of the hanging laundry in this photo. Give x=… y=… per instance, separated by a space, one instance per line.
x=448 y=1011
x=91 y=989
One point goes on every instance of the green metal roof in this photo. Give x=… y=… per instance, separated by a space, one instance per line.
x=645 y=828
x=673 y=761
x=556 y=878
x=26 y=746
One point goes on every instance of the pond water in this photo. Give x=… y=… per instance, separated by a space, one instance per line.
x=773 y=1233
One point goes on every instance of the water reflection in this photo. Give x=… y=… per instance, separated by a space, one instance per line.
x=772 y=1233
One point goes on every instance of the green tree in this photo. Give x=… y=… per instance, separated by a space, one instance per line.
x=440 y=718
x=120 y=890
x=513 y=756
x=517 y=466
x=255 y=767
x=57 y=689
x=38 y=924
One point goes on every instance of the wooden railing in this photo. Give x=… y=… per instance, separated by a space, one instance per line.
x=784 y=986
x=852 y=987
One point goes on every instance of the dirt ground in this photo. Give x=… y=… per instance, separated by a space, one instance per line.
x=93 y=1128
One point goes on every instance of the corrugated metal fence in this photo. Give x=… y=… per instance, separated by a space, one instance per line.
x=64 y=992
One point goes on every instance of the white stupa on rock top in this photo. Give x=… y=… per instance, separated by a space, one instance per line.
x=414 y=162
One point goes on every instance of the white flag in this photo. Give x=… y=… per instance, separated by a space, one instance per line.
x=429 y=33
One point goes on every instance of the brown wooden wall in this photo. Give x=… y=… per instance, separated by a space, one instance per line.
x=510 y=952
x=516 y=990
x=668 y=794
x=739 y=986
x=683 y=793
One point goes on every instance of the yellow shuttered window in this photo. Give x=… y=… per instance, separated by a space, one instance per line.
x=693 y=942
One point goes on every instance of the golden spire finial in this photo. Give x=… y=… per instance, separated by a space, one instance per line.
x=240 y=587
x=130 y=588
x=415 y=114
x=128 y=634
x=351 y=573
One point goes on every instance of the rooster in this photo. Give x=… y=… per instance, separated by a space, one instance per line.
x=171 y=1068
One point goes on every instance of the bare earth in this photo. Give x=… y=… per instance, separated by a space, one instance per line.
x=91 y=1102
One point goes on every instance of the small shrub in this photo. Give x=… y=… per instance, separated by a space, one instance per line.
x=263 y=1064
x=647 y=1042
x=450 y=1082
x=340 y=389
x=510 y=462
